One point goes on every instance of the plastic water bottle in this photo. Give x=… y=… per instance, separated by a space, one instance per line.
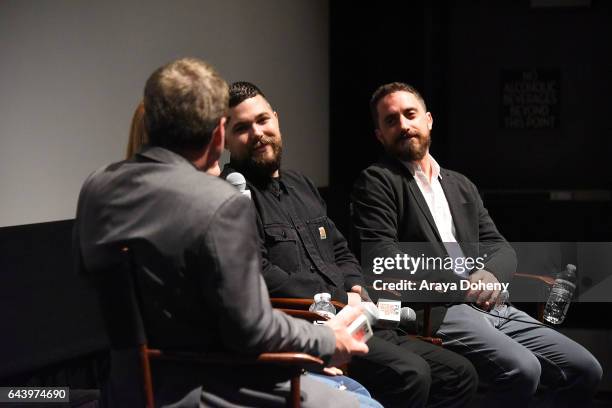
x=501 y=304
x=560 y=296
x=500 y=309
x=322 y=305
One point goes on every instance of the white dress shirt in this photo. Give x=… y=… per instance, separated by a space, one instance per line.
x=438 y=206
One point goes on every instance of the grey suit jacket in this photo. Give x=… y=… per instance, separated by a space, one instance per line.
x=196 y=240
x=389 y=208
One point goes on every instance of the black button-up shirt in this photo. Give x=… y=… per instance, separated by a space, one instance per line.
x=303 y=252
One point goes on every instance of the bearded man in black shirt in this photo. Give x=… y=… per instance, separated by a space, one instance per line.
x=303 y=253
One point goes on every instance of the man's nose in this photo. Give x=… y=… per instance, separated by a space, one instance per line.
x=257 y=132
x=404 y=123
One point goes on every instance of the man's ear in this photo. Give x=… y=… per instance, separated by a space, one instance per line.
x=217 y=140
x=224 y=124
x=429 y=120
x=275 y=114
x=378 y=135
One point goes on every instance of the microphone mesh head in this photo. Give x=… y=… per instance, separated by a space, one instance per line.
x=237 y=180
x=407 y=315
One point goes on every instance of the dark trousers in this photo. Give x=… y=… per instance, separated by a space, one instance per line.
x=401 y=371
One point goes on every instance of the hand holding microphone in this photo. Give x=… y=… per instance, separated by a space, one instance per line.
x=239 y=182
x=346 y=343
x=386 y=314
x=354 y=299
x=353 y=325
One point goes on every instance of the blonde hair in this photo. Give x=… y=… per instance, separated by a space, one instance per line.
x=138 y=134
x=184 y=102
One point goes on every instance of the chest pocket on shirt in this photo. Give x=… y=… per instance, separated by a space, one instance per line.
x=321 y=235
x=282 y=246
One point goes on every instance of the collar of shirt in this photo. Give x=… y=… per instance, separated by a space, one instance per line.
x=416 y=170
x=438 y=207
x=435 y=198
x=162 y=155
x=275 y=186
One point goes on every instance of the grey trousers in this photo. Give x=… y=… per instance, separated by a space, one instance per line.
x=514 y=358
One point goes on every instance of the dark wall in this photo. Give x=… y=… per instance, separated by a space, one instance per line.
x=376 y=43
x=484 y=40
x=488 y=37
x=455 y=53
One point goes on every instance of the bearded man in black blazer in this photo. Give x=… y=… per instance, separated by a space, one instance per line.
x=408 y=198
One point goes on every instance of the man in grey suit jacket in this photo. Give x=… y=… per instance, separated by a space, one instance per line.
x=408 y=198
x=195 y=238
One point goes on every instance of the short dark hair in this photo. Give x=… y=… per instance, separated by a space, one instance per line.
x=242 y=90
x=184 y=101
x=387 y=89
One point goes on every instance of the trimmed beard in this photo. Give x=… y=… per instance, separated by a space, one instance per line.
x=413 y=153
x=260 y=168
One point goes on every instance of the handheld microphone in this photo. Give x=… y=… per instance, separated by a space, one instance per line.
x=407 y=317
x=392 y=315
x=361 y=328
x=239 y=182
x=370 y=310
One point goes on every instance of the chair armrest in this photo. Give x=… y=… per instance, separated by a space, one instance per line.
x=299 y=304
x=531 y=287
x=303 y=360
x=548 y=280
x=291 y=303
x=436 y=341
x=298 y=360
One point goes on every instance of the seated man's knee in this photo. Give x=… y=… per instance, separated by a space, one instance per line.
x=593 y=373
x=468 y=377
x=526 y=373
x=460 y=381
x=586 y=371
x=416 y=375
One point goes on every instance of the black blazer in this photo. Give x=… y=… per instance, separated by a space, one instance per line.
x=389 y=208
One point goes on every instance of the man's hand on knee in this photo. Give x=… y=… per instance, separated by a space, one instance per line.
x=485 y=299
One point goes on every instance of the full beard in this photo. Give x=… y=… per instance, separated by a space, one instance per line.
x=414 y=151
x=260 y=167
